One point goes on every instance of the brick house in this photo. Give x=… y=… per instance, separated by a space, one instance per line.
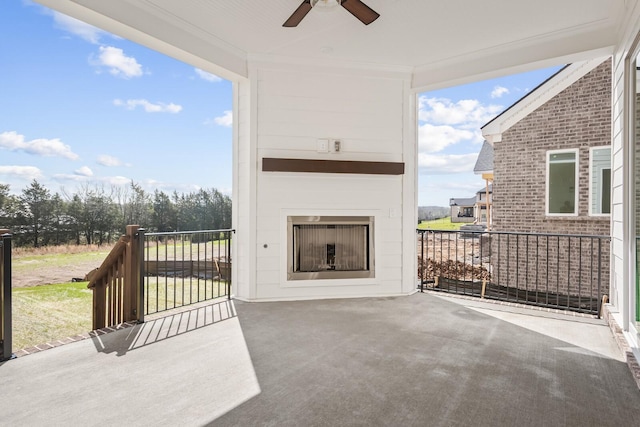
x=552 y=171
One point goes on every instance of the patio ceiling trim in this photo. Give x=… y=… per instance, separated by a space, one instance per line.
x=166 y=31
x=513 y=58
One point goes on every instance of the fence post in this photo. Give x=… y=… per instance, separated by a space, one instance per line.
x=99 y=305
x=6 y=341
x=131 y=275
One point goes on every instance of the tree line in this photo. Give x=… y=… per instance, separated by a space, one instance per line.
x=96 y=215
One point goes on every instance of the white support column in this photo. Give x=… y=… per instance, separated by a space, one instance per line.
x=409 y=191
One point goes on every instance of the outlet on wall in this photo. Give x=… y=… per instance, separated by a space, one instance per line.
x=323 y=146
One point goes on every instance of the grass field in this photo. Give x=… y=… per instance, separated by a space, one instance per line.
x=50 y=312
x=165 y=293
x=45 y=310
x=440 y=224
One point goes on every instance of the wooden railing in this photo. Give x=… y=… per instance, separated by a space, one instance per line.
x=5 y=296
x=116 y=283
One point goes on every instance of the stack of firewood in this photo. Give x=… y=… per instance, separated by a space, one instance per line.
x=429 y=269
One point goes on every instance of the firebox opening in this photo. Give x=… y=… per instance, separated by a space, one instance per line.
x=330 y=247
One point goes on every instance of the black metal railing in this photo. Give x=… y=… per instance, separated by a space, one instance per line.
x=6 y=343
x=183 y=268
x=562 y=271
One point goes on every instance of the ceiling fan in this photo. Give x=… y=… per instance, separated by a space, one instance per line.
x=358 y=9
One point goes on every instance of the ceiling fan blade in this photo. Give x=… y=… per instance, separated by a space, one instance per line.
x=298 y=15
x=361 y=11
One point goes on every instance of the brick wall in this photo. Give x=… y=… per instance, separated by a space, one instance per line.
x=579 y=117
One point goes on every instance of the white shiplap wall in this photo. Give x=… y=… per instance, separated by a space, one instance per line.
x=623 y=198
x=291 y=108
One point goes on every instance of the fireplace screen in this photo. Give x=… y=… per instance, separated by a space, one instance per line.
x=330 y=247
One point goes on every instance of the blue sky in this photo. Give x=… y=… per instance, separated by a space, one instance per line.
x=80 y=106
x=450 y=137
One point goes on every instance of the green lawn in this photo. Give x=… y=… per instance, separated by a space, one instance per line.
x=50 y=312
x=164 y=293
x=440 y=224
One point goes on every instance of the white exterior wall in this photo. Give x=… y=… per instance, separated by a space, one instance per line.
x=373 y=114
x=623 y=198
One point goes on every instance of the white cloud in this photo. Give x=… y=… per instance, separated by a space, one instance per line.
x=446 y=163
x=225 y=120
x=109 y=161
x=118 y=64
x=71 y=177
x=27 y=173
x=81 y=29
x=168 y=187
x=207 y=76
x=149 y=107
x=498 y=91
x=83 y=171
x=453 y=187
x=13 y=141
x=468 y=113
x=117 y=180
x=432 y=139
x=445 y=123
x=109 y=180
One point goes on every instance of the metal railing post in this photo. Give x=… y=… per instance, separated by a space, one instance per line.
x=5 y=295
x=228 y=255
x=423 y=262
x=140 y=303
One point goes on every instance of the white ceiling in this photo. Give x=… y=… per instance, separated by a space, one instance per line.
x=436 y=40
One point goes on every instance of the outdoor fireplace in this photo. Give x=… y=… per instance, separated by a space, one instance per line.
x=330 y=247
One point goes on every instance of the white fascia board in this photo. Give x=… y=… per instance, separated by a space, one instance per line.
x=516 y=57
x=493 y=130
x=491 y=139
x=156 y=33
x=482 y=173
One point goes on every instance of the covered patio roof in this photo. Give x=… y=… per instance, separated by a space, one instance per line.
x=439 y=43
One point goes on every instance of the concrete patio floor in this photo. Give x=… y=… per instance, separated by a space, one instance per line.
x=423 y=360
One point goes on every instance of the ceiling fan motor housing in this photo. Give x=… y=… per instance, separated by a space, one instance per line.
x=357 y=8
x=325 y=4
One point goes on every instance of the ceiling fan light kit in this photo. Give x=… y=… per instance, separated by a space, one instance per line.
x=325 y=5
x=357 y=8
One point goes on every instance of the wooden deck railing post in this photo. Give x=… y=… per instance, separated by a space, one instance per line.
x=99 y=305
x=132 y=275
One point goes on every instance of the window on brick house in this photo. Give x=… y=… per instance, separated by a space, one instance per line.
x=600 y=181
x=562 y=182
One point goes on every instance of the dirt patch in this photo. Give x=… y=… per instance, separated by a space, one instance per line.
x=46 y=275
x=35 y=268
x=62 y=264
